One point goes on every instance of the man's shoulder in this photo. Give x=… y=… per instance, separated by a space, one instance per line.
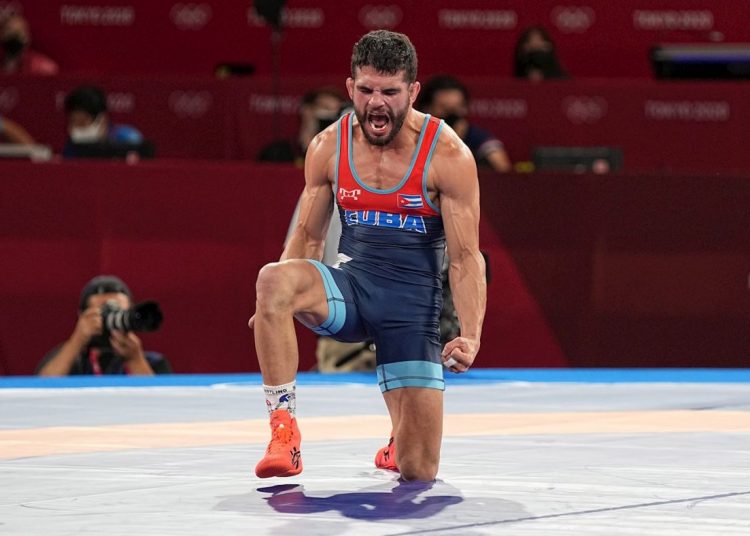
x=477 y=135
x=322 y=151
x=451 y=162
x=40 y=64
x=125 y=134
x=450 y=145
x=159 y=364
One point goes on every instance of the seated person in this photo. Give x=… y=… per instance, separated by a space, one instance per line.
x=12 y=132
x=87 y=351
x=17 y=55
x=318 y=109
x=536 y=56
x=447 y=98
x=88 y=121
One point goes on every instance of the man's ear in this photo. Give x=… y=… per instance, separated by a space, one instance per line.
x=414 y=92
x=350 y=87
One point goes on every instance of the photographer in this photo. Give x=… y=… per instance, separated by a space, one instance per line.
x=89 y=350
x=318 y=109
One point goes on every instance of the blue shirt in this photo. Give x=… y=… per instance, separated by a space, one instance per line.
x=115 y=134
x=481 y=143
x=124 y=134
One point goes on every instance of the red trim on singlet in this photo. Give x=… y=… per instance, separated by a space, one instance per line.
x=408 y=199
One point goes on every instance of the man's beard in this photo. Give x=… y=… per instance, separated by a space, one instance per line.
x=396 y=121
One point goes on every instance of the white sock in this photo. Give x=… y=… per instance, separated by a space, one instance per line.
x=281 y=397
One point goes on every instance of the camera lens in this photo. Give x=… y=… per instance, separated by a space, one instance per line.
x=146 y=316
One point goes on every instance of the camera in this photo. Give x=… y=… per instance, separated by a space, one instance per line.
x=144 y=316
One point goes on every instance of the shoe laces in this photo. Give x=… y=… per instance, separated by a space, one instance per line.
x=280 y=436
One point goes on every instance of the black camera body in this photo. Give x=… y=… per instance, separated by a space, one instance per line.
x=144 y=316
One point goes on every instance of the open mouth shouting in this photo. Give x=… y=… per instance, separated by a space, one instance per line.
x=379 y=122
x=381 y=126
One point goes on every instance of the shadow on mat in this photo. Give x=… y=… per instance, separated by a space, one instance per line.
x=404 y=501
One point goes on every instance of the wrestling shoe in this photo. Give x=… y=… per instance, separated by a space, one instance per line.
x=283 y=456
x=386 y=457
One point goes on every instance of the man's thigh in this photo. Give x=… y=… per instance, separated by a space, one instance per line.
x=340 y=318
x=309 y=295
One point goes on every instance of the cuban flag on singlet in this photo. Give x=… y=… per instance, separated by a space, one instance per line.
x=410 y=201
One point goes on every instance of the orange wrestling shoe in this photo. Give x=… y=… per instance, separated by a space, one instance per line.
x=283 y=456
x=386 y=457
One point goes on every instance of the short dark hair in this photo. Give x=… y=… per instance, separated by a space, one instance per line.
x=387 y=52
x=438 y=83
x=88 y=99
x=102 y=284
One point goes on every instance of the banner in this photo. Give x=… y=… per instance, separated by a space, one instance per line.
x=595 y=38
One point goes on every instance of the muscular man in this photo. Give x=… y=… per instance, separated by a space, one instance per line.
x=404 y=184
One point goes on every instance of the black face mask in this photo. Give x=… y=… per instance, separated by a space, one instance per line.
x=13 y=46
x=452 y=118
x=544 y=61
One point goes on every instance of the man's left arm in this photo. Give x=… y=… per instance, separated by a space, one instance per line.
x=458 y=187
x=128 y=346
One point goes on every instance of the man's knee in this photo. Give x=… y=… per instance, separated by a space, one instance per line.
x=274 y=287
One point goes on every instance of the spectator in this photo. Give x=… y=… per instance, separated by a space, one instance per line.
x=318 y=109
x=88 y=121
x=88 y=351
x=17 y=54
x=536 y=56
x=12 y=132
x=446 y=97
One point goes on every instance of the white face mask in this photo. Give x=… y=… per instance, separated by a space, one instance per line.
x=89 y=134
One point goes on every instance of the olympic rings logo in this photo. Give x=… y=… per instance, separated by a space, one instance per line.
x=584 y=110
x=375 y=17
x=573 y=19
x=190 y=16
x=190 y=104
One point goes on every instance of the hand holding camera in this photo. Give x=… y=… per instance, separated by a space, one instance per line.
x=88 y=326
x=111 y=326
x=126 y=345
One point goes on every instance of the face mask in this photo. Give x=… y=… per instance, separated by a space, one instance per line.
x=13 y=46
x=89 y=134
x=452 y=118
x=324 y=118
x=544 y=61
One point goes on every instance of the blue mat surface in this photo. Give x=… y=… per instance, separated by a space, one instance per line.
x=473 y=376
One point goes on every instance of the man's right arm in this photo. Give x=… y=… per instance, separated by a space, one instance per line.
x=499 y=160
x=306 y=240
x=88 y=325
x=61 y=362
x=492 y=150
x=14 y=133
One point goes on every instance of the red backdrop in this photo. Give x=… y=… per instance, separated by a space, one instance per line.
x=594 y=37
x=587 y=271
